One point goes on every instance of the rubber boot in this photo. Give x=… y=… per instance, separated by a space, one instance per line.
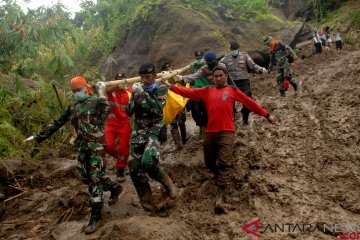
x=295 y=86
x=95 y=220
x=245 y=118
x=176 y=136
x=164 y=179
x=183 y=133
x=2 y=201
x=2 y=193
x=202 y=133
x=145 y=196
x=115 y=191
x=120 y=175
x=282 y=92
x=219 y=202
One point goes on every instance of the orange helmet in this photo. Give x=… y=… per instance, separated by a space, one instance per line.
x=80 y=81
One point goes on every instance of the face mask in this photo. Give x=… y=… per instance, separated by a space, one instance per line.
x=199 y=61
x=234 y=53
x=211 y=65
x=80 y=96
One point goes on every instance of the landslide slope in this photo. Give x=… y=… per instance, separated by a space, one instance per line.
x=173 y=30
x=304 y=170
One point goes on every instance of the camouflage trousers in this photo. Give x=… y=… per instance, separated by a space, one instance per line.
x=145 y=151
x=284 y=71
x=92 y=169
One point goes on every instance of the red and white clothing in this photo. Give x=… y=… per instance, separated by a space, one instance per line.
x=219 y=103
x=117 y=126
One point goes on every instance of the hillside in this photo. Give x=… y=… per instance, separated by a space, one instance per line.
x=173 y=31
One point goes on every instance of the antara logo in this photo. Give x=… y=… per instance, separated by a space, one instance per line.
x=247 y=226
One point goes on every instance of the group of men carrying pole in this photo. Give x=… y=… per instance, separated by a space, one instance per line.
x=95 y=121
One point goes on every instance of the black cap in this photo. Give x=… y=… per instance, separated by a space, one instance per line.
x=147 y=68
x=165 y=66
x=234 y=45
x=198 y=54
x=120 y=76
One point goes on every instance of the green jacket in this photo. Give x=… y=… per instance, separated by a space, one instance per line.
x=201 y=82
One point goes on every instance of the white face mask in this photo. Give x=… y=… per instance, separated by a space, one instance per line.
x=199 y=61
x=234 y=53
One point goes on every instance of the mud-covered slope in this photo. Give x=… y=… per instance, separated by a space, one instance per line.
x=174 y=31
x=304 y=170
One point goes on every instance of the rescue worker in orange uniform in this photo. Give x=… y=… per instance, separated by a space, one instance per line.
x=117 y=127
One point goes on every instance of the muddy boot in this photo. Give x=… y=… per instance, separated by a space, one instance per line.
x=2 y=202
x=176 y=136
x=115 y=191
x=245 y=118
x=219 y=202
x=120 y=175
x=145 y=197
x=95 y=220
x=165 y=180
x=183 y=134
x=282 y=92
x=295 y=86
x=2 y=193
x=202 y=133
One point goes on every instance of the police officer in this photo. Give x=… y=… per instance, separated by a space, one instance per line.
x=237 y=64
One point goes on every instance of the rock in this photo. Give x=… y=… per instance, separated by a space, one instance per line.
x=68 y=230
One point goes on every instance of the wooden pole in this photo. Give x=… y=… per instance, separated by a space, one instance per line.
x=160 y=77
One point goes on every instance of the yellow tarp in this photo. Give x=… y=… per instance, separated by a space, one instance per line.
x=174 y=104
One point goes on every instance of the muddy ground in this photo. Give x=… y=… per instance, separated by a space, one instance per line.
x=304 y=170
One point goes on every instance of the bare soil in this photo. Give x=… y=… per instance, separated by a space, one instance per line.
x=304 y=170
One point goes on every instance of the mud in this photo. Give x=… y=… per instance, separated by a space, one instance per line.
x=304 y=170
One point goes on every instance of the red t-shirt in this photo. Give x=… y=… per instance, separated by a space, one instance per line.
x=118 y=99
x=219 y=103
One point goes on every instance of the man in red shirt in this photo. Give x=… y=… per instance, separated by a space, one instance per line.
x=117 y=128
x=219 y=137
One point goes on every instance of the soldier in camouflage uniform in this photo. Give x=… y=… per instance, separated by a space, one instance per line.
x=198 y=109
x=147 y=102
x=281 y=55
x=237 y=64
x=87 y=115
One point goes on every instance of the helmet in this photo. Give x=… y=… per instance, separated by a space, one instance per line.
x=267 y=40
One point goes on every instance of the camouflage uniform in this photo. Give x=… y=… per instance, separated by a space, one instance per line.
x=88 y=118
x=145 y=145
x=280 y=57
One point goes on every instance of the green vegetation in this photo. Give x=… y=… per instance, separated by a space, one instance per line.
x=48 y=44
x=347 y=19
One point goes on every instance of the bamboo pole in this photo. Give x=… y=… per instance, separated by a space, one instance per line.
x=160 y=77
